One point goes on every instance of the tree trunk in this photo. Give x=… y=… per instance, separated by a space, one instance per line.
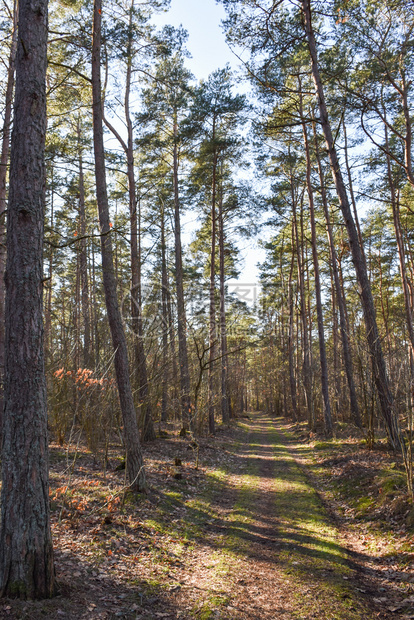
x=4 y=158
x=225 y=413
x=307 y=380
x=49 y=290
x=140 y=360
x=76 y=321
x=186 y=412
x=408 y=128
x=351 y=188
x=148 y=432
x=83 y=262
x=95 y=314
x=164 y=314
x=355 y=414
x=309 y=314
x=212 y=330
x=385 y=396
x=26 y=552
x=134 y=465
x=335 y=351
x=319 y=311
x=292 y=381
x=171 y=333
x=400 y=245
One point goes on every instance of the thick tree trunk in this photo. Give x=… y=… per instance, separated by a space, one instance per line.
x=4 y=159
x=135 y=466
x=385 y=396
x=26 y=553
x=186 y=412
x=351 y=188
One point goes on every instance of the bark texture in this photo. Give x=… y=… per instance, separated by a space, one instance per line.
x=26 y=553
x=4 y=159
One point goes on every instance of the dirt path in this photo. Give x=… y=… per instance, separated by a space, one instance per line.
x=245 y=537
x=270 y=551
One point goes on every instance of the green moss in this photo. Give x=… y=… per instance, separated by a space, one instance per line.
x=365 y=505
x=391 y=480
x=210 y=607
x=323 y=445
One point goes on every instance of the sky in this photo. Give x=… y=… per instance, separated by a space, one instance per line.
x=206 y=43
x=208 y=48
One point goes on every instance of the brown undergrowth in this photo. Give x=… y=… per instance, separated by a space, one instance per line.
x=243 y=536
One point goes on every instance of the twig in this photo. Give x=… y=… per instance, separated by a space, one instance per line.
x=124 y=488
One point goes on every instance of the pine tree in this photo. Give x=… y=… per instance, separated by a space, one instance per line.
x=26 y=553
x=134 y=460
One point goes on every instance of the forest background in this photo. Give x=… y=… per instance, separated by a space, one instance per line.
x=230 y=164
x=325 y=131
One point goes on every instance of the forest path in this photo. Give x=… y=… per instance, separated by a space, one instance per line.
x=269 y=549
x=244 y=536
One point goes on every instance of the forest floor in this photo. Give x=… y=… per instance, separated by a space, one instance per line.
x=272 y=524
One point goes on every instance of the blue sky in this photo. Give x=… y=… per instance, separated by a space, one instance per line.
x=206 y=43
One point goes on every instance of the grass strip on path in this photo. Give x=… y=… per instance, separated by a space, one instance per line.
x=255 y=541
x=280 y=529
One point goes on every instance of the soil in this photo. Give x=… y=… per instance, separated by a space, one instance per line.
x=255 y=530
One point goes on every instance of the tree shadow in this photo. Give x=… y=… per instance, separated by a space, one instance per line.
x=84 y=595
x=288 y=530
